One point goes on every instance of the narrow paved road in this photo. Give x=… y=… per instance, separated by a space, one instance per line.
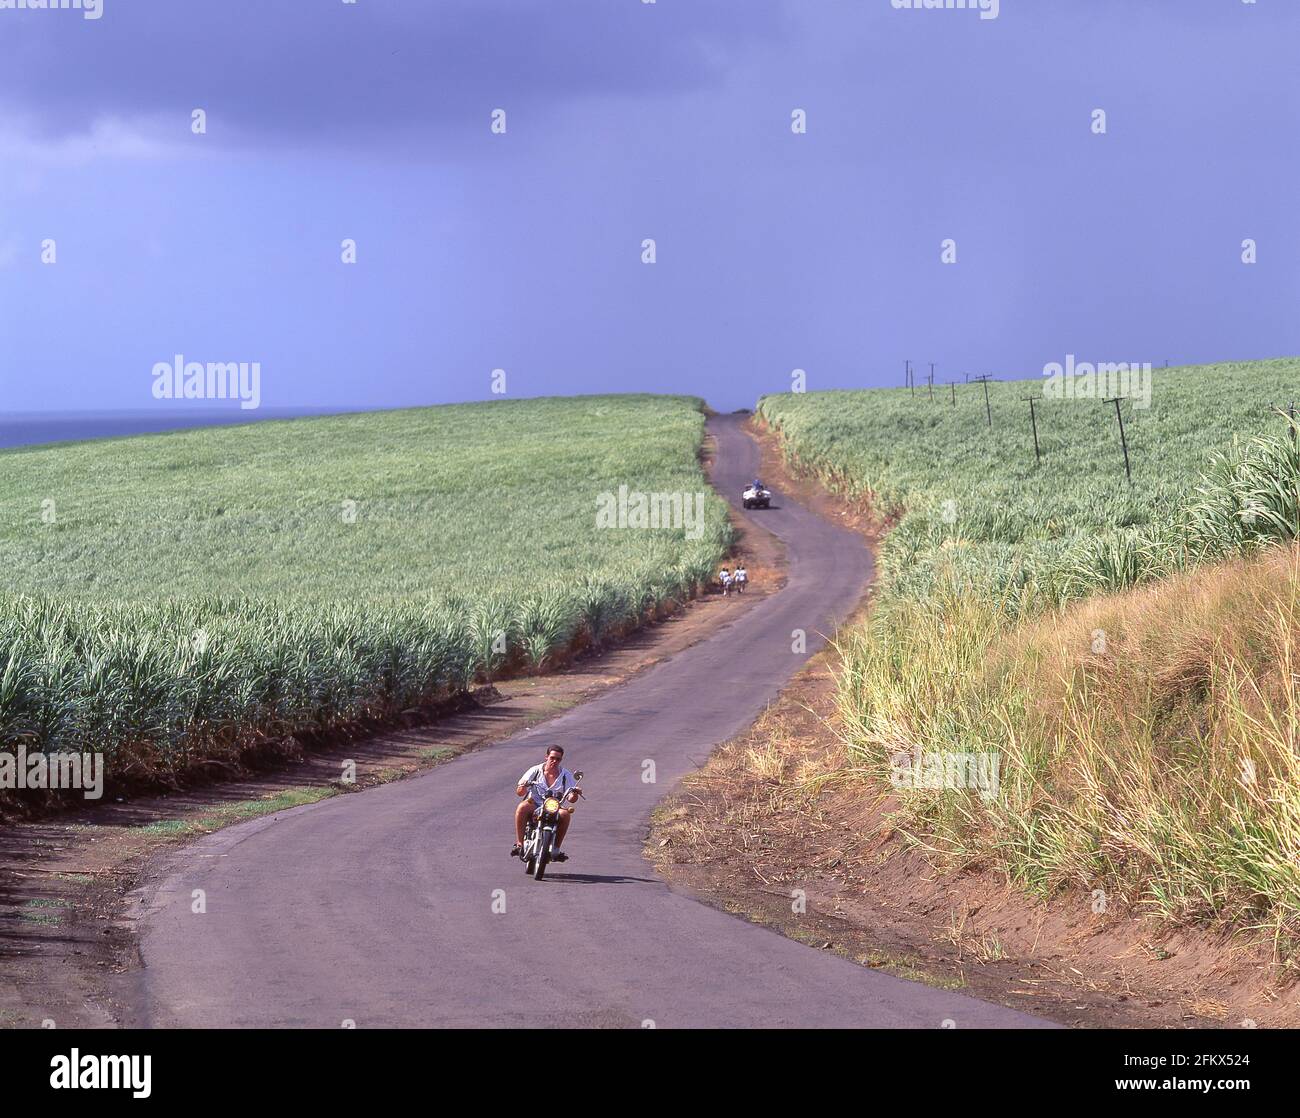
x=380 y=908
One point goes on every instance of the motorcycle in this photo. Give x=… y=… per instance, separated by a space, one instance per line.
x=541 y=829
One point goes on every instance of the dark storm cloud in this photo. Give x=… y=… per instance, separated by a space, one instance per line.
x=324 y=71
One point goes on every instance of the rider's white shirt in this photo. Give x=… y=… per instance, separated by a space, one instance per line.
x=538 y=789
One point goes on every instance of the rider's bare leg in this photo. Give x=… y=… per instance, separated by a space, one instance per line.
x=565 y=817
x=522 y=812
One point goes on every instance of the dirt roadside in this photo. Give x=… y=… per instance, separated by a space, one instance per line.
x=66 y=937
x=773 y=830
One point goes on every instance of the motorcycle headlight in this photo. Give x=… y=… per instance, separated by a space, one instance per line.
x=552 y=805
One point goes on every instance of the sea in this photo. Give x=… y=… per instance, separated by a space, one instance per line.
x=36 y=428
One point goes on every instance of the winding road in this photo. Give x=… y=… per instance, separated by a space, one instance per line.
x=383 y=908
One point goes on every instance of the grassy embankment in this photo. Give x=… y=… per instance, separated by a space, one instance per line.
x=175 y=599
x=1128 y=652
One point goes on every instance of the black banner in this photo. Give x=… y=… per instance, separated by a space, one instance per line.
x=360 y=1065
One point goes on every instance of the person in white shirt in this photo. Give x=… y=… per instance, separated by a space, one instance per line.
x=547 y=779
x=725 y=578
x=740 y=578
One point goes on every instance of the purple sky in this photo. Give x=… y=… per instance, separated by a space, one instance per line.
x=628 y=121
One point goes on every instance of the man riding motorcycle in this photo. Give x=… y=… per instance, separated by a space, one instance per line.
x=547 y=779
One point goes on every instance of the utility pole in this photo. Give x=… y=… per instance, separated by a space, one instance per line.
x=911 y=380
x=1122 y=440
x=1033 y=422
x=953 y=385
x=984 y=379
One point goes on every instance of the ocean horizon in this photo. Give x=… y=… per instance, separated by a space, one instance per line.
x=39 y=428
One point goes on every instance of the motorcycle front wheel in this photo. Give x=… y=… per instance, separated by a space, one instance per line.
x=543 y=855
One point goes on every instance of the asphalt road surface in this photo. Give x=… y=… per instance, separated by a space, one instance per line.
x=383 y=908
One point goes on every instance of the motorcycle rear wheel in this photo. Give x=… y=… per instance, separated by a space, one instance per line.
x=529 y=858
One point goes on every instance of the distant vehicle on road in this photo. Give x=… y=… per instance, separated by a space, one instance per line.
x=756 y=496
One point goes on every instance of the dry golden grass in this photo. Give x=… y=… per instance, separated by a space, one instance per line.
x=1148 y=740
